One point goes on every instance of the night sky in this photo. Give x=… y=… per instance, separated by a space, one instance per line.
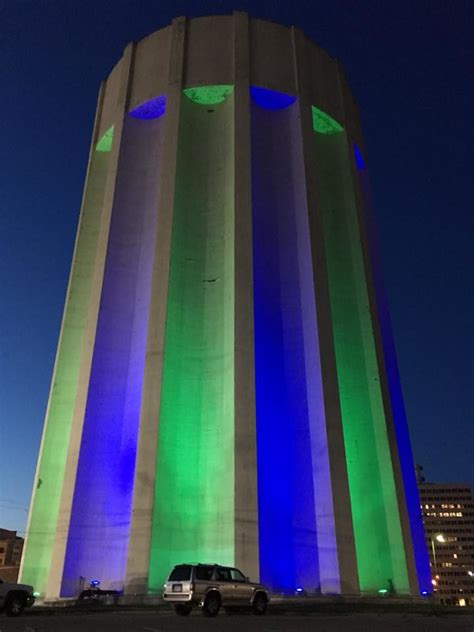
x=410 y=66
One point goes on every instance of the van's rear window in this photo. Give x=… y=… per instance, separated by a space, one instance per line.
x=180 y=574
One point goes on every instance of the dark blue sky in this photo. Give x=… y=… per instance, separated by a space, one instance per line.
x=410 y=65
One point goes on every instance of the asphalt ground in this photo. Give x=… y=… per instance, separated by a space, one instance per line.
x=166 y=621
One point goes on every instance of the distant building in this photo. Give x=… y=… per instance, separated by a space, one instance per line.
x=448 y=519
x=11 y=547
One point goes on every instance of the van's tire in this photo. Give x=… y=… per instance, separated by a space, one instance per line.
x=259 y=605
x=212 y=604
x=15 y=604
x=182 y=610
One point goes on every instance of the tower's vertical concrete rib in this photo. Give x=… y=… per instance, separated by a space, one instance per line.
x=245 y=466
x=225 y=386
x=122 y=80
x=172 y=50
x=333 y=509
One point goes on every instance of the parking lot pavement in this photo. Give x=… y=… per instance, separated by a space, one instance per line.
x=148 y=621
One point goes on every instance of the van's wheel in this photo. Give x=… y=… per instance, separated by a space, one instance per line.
x=15 y=606
x=211 y=605
x=183 y=610
x=259 y=605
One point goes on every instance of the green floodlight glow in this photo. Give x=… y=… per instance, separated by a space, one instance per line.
x=44 y=510
x=377 y=529
x=105 y=143
x=208 y=95
x=383 y=591
x=323 y=123
x=193 y=512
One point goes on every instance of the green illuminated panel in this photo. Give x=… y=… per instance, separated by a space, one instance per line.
x=193 y=515
x=208 y=95
x=105 y=143
x=377 y=530
x=323 y=123
x=52 y=460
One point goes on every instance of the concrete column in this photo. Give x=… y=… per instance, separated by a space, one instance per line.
x=87 y=182
x=246 y=509
x=136 y=580
x=374 y=314
x=337 y=460
x=59 y=547
x=64 y=514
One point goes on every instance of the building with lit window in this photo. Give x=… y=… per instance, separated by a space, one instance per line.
x=11 y=547
x=225 y=386
x=448 y=519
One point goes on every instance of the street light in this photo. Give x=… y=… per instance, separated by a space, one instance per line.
x=439 y=537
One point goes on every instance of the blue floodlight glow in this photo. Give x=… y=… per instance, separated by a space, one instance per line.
x=402 y=434
x=102 y=503
x=270 y=99
x=285 y=487
x=299 y=589
x=95 y=582
x=152 y=109
x=296 y=517
x=360 y=164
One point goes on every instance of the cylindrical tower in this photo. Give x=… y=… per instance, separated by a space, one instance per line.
x=225 y=386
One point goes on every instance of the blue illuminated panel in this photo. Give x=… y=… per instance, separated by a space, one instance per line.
x=358 y=158
x=100 y=517
x=289 y=406
x=395 y=390
x=152 y=109
x=270 y=99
